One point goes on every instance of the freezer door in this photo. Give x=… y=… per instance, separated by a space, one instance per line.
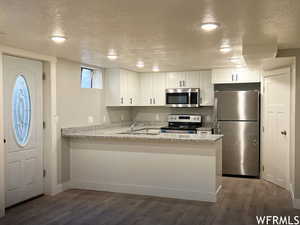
x=238 y=105
x=240 y=148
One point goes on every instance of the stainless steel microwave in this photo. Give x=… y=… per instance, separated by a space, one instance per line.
x=183 y=97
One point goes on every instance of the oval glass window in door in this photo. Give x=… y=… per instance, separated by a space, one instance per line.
x=21 y=110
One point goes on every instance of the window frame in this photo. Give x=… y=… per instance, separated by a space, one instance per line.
x=93 y=73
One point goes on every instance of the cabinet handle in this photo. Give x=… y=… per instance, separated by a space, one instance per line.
x=236 y=77
x=130 y=100
x=150 y=101
x=154 y=101
x=183 y=82
x=180 y=83
x=122 y=100
x=232 y=77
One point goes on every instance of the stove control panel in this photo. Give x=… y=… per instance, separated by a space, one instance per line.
x=193 y=118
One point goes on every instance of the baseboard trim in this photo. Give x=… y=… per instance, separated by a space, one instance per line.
x=296 y=202
x=147 y=190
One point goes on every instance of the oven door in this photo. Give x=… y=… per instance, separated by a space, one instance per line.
x=182 y=97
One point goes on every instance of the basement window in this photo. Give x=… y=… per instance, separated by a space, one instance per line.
x=91 y=78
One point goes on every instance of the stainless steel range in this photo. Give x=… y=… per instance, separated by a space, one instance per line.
x=184 y=124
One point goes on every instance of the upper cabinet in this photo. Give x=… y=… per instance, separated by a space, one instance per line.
x=243 y=75
x=206 y=88
x=121 y=87
x=183 y=79
x=152 y=89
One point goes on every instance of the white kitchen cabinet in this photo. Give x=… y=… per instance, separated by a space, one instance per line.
x=206 y=88
x=243 y=75
x=146 y=89
x=175 y=79
x=247 y=76
x=132 y=88
x=152 y=89
x=159 y=89
x=183 y=79
x=121 y=87
x=222 y=76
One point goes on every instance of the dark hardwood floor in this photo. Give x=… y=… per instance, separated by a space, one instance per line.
x=239 y=202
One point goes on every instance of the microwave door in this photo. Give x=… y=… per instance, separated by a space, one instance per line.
x=177 y=98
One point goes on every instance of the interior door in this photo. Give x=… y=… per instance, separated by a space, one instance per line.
x=22 y=129
x=276 y=135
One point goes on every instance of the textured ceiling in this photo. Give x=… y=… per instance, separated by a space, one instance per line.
x=162 y=32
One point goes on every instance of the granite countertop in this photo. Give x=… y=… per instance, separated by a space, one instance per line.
x=142 y=132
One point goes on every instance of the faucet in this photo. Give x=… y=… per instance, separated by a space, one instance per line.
x=132 y=126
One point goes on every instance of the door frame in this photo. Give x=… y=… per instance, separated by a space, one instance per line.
x=269 y=73
x=51 y=185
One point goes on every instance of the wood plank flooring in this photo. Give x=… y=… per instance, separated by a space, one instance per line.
x=239 y=202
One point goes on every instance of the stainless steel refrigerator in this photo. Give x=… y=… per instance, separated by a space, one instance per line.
x=238 y=120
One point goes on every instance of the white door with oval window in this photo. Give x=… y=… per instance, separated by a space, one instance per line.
x=23 y=129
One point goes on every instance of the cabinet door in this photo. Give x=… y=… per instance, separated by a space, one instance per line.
x=192 y=79
x=159 y=88
x=113 y=87
x=145 y=94
x=222 y=76
x=206 y=88
x=132 y=88
x=175 y=79
x=247 y=76
x=124 y=100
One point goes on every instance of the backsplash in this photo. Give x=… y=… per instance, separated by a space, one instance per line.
x=144 y=114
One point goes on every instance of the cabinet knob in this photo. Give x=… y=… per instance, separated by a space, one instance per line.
x=4 y=140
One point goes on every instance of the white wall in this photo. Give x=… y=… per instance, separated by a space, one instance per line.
x=2 y=155
x=75 y=105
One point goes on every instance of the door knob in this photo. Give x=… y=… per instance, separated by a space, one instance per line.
x=283 y=132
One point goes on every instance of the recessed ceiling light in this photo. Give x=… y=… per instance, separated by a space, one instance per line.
x=112 y=57
x=235 y=60
x=209 y=26
x=58 y=39
x=225 y=49
x=140 y=64
x=155 y=69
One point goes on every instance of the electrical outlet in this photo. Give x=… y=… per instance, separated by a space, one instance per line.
x=90 y=119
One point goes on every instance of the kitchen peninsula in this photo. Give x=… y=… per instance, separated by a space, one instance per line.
x=145 y=161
